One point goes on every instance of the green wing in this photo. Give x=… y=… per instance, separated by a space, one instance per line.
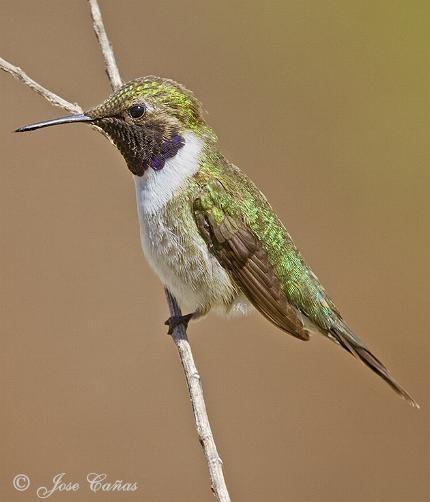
x=239 y=251
x=244 y=233
x=226 y=196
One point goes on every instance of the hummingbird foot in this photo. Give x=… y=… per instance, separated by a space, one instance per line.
x=176 y=320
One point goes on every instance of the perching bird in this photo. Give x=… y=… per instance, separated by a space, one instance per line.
x=206 y=230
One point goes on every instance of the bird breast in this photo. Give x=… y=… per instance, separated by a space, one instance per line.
x=170 y=239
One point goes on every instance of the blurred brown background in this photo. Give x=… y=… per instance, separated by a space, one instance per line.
x=326 y=106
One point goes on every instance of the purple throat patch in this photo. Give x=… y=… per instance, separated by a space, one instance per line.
x=169 y=148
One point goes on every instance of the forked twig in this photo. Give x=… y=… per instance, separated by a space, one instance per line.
x=179 y=335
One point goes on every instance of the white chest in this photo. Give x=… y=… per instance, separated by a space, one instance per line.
x=172 y=245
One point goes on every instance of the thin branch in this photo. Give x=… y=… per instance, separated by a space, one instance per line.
x=195 y=389
x=179 y=335
x=53 y=98
x=105 y=46
x=50 y=96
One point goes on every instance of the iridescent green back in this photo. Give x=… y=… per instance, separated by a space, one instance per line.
x=242 y=199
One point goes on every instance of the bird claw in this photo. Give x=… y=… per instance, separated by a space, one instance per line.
x=176 y=320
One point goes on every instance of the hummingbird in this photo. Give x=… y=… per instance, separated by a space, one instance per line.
x=206 y=230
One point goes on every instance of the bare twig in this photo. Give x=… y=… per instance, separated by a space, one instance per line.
x=195 y=389
x=50 y=96
x=179 y=335
x=42 y=91
x=105 y=46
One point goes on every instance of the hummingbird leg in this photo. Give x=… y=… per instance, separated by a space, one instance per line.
x=174 y=321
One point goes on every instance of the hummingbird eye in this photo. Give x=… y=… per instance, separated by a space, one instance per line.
x=137 y=111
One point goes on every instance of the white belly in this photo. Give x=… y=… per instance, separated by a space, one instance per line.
x=177 y=254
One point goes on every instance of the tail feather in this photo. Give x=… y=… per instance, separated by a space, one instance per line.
x=354 y=346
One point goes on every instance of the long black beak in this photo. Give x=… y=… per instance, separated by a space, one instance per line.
x=62 y=120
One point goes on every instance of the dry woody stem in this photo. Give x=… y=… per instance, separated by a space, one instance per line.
x=179 y=335
x=201 y=418
x=105 y=46
x=42 y=91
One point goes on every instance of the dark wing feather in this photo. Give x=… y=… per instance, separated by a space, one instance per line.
x=240 y=252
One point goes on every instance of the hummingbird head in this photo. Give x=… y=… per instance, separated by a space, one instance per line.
x=146 y=119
